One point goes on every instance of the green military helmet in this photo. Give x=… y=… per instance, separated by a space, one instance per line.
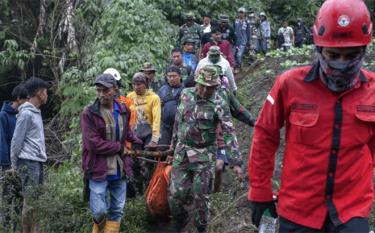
x=189 y=15
x=186 y=40
x=214 y=50
x=208 y=76
x=147 y=66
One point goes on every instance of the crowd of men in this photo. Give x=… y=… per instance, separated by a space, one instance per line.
x=249 y=33
x=327 y=109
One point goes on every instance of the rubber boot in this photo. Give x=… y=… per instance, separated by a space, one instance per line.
x=112 y=227
x=98 y=227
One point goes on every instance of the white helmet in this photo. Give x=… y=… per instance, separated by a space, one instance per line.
x=242 y=9
x=114 y=73
x=262 y=14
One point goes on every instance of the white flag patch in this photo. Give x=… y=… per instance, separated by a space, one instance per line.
x=270 y=99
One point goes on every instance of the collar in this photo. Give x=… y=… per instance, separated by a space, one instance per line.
x=313 y=74
x=95 y=107
x=116 y=107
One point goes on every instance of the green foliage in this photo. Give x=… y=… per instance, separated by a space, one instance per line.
x=127 y=34
x=304 y=51
x=280 y=10
x=175 y=10
x=12 y=56
x=61 y=208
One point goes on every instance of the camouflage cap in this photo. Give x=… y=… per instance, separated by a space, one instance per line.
x=214 y=50
x=147 y=66
x=208 y=76
x=189 y=15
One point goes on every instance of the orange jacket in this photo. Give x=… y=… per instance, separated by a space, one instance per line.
x=129 y=103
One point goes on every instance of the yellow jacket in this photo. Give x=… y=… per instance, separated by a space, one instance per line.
x=147 y=107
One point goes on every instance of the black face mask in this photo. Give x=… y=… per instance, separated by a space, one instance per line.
x=339 y=76
x=214 y=59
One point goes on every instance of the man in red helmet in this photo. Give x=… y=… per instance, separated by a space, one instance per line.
x=328 y=110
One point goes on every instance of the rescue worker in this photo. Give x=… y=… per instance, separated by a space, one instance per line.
x=169 y=97
x=264 y=34
x=188 y=56
x=121 y=99
x=214 y=57
x=147 y=127
x=287 y=35
x=224 y=45
x=253 y=30
x=237 y=111
x=149 y=70
x=105 y=127
x=226 y=29
x=198 y=115
x=206 y=29
x=302 y=33
x=190 y=30
x=186 y=73
x=328 y=110
x=241 y=30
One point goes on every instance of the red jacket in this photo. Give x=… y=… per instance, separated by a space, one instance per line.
x=225 y=48
x=330 y=145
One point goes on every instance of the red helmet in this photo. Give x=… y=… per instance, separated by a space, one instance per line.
x=343 y=23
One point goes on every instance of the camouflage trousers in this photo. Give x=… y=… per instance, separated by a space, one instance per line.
x=191 y=183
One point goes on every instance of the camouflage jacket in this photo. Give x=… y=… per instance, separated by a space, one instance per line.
x=194 y=33
x=237 y=110
x=194 y=132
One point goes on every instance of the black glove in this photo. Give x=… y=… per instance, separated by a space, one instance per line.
x=252 y=122
x=257 y=209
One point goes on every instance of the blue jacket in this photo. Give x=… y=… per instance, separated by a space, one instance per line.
x=170 y=98
x=242 y=32
x=7 y=125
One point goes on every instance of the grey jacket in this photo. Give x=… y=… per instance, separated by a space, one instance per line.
x=265 y=30
x=226 y=69
x=28 y=139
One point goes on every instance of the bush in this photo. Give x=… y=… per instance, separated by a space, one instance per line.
x=62 y=209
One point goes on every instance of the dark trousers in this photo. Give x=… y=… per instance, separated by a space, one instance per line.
x=166 y=132
x=142 y=172
x=355 y=225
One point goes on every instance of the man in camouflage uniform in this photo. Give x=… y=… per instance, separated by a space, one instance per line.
x=200 y=112
x=239 y=112
x=190 y=30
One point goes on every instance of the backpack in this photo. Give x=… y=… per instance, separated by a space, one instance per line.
x=168 y=109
